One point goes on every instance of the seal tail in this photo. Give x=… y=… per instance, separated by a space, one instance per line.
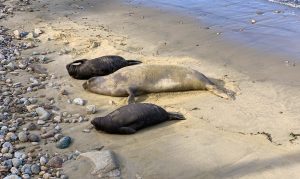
x=133 y=62
x=223 y=93
x=175 y=116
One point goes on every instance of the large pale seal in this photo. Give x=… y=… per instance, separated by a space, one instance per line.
x=130 y=118
x=142 y=79
x=84 y=69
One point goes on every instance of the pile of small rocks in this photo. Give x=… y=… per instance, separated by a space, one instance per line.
x=26 y=123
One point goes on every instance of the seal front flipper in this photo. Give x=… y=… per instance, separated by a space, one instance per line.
x=126 y=130
x=131 y=97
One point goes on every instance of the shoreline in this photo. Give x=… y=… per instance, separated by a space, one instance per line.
x=245 y=138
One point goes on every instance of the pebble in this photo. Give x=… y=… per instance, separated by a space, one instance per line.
x=43 y=160
x=43 y=114
x=58 y=136
x=26 y=169
x=13 y=176
x=64 y=142
x=78 y=101
x=14 y=170
x=23 y=136
x=31 y=126
x=46 y=176
x=35 y=169
x=90 y=109
x=41 y=122
x=33 y=138
x=57 y=119
x=16 y=162
x=55 y=162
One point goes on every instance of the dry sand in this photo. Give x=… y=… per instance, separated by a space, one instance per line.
x=244 y=138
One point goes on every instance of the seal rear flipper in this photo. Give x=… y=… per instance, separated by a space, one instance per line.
x=175 y=116
x=126 y=130
x=133 y=62
x=219 y=92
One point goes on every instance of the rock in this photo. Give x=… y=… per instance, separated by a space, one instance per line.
x=41 y=122
x=48 y=134
x=37 y=32
x=9 y=146
x=26 y=169
x=35 y=169
x=106 y=165
x=17 y=34
x=64 y=177
x=78 y=101
x=33 y=138
x=86 y=130
x=58 y=136
x=31 y=126
x=46 y=176
x=16 y=162
x=19 y=155
x=55 y=162
x=64 y=142
x=13 y=176
x=43 y=160
x=23 y=136
x=14 y=170
x=90 y=109
x=57 y=119
x=43 y=114
x=26 y=176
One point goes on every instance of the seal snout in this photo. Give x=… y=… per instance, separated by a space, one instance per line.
x=85 y=85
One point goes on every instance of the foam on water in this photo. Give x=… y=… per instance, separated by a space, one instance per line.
x=291 y=3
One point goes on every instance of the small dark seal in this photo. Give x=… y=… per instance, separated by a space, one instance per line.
x=130 y=118
x=84 y=69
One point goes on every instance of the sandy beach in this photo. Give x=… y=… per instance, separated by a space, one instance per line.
x=249 y=137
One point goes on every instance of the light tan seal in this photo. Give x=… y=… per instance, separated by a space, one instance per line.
x=143 y=79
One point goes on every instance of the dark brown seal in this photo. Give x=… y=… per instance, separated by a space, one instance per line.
x=142 y=79
x=84 y=69
x=130 y=118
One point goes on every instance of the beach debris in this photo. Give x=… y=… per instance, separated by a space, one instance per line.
x=90 y=109
x=78 y=101
x=253 y=21
x=64 y=142
x=105 y=162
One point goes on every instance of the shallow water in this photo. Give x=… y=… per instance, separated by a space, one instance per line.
x=262 y=24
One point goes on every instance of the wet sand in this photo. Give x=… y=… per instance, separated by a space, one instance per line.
x=243 y=138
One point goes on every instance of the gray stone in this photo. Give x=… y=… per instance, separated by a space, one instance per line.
x=55 y=162
x=43 y=160
x=31 y=126
x=35 y=169
x=16 y=162
x=13 y=176
x=105 y=163
x=14 y=170
x=78 y=101
x=43 y=114
x=23 y=136
x=33 y=138
x=90 y=109
x=64 y=142
x=26 y=169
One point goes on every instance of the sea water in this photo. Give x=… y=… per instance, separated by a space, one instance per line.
x=273 y=27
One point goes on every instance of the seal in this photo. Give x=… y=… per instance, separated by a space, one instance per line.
x=84 y=69
x=142 y=79
x=130 y=118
